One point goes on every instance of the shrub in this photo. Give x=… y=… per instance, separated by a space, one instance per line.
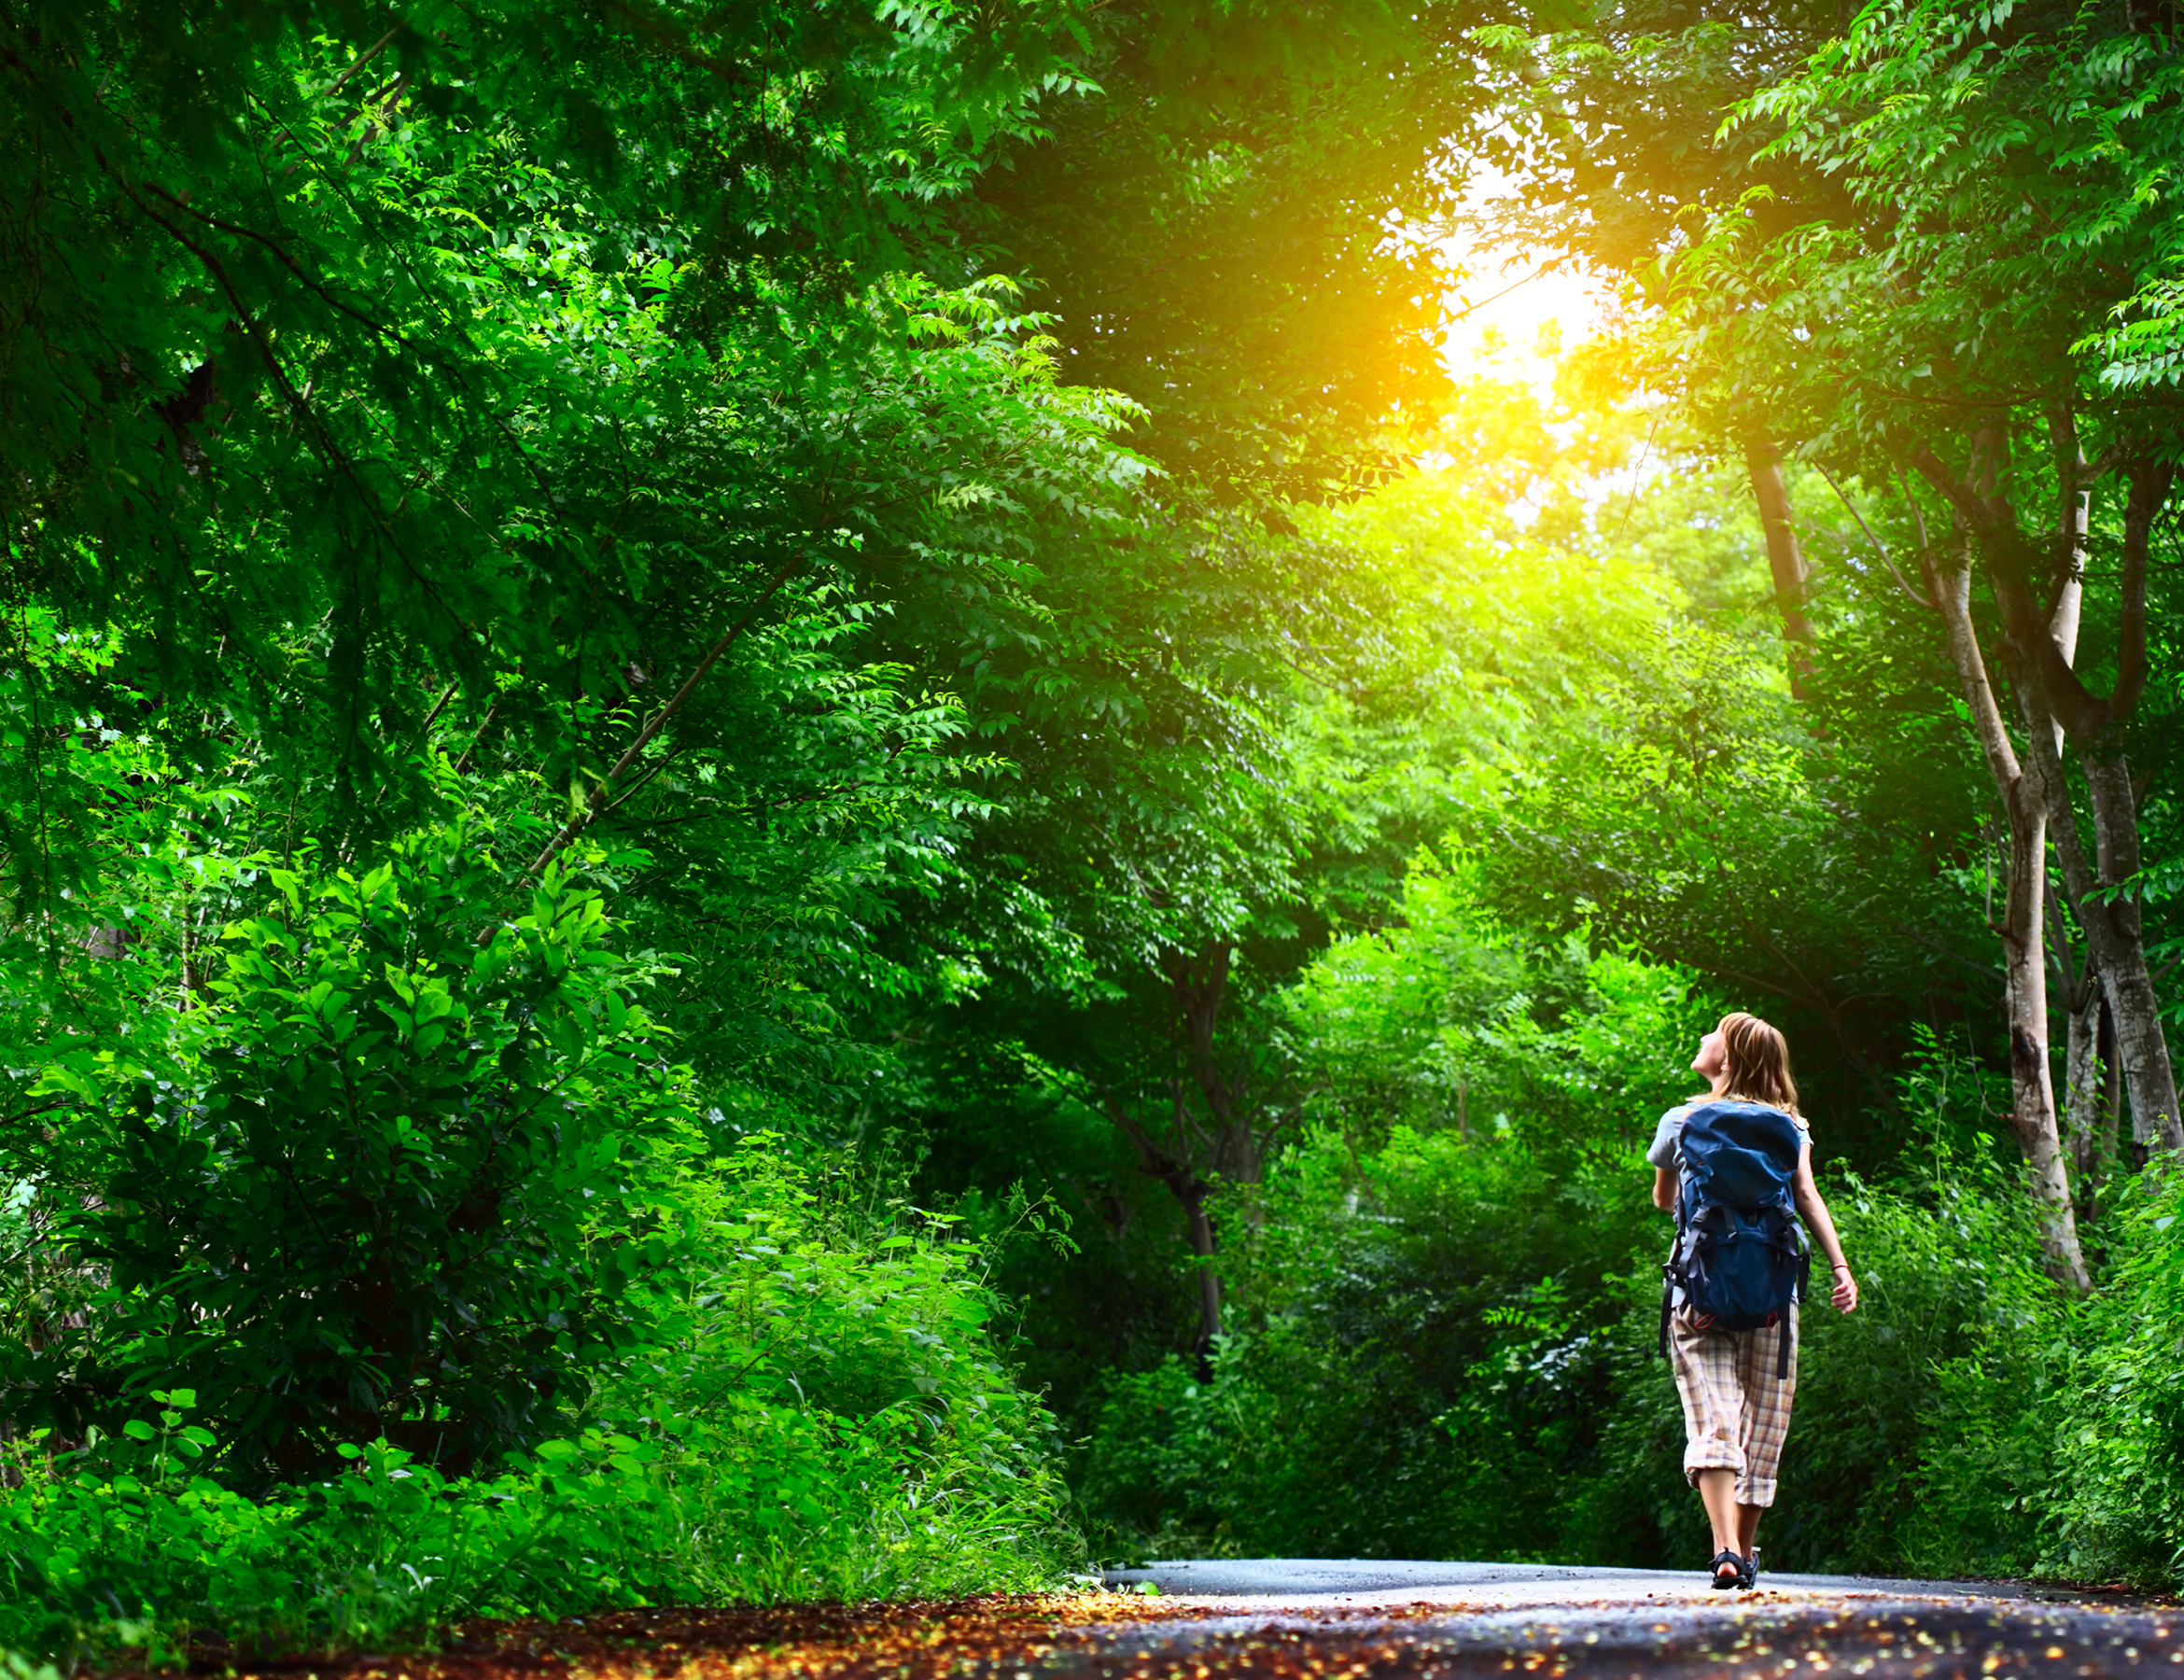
x=390 y=1185
x=822 y=1415
x=2117 y=1508
x=869 y=1435
x=1416 y=1374
x=1420 y=1292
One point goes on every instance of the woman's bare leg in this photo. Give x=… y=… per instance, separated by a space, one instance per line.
x=1748 y=1527
x=1717 y=1491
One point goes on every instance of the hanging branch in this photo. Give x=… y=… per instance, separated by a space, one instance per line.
x=1879 y=547
x=597 y=801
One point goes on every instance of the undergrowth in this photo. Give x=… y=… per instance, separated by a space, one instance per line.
x=822 y=1413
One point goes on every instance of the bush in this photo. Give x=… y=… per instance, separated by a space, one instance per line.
x=2117 y=1508
x=821 y=1416
x=391 y=1185
x=1452 y=1021
x=1417 y=1369
x=870 y=1438
x=1420 y=1293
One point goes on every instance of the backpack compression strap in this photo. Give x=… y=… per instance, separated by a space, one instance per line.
x=1789 y=1318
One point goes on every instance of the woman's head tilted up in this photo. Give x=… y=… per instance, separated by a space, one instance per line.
x=1746 y=1057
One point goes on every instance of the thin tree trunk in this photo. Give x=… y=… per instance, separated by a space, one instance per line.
x=2141 y=1046
x=1190 y=1188
x=2032 y=1091
x=2114 y=938
x=2081 y=1095
x=1786 y=560
x=1204 y=1246
x=2111 y=1085
x=1194 y=1156
x=2032 y=1113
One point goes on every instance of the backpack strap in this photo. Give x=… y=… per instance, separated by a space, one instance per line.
x=1672 y=1268
x=1782 y=1361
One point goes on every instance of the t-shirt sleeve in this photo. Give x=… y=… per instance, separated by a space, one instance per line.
x=1661 y=1152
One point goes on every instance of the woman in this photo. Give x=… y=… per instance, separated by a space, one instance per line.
x=1736 y=1410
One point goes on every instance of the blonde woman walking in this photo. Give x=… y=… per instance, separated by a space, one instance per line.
x=1731 y=1166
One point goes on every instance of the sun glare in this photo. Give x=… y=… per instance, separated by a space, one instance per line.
x=1506 y=302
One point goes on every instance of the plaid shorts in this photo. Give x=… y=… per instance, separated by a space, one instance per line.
x=1736 y=1414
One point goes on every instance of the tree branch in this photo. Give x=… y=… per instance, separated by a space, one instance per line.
x=370 y=53
x=596 y=803
x=1879 y=548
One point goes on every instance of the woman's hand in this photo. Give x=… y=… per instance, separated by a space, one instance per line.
x=1846 y=1289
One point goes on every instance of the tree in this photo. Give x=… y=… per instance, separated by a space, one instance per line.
x=318 y=322
x=1905 y=239
x=1237 y=232
x=2017 y=210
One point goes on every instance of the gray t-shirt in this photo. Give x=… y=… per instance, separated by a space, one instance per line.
x=1668 y=1133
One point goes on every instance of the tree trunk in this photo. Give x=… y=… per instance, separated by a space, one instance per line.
x=2032 y=1113
x=1190 y=1187
x=2111 y=1085
x=2149 y=1075
x=2083 y=1118
x=1785 y=561
x=1204 y=1247
x=1194 y=1156
x=2115 y=940
x=2047 y=676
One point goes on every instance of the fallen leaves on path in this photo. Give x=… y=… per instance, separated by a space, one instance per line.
x=1112 y=1637
x=904 y=1640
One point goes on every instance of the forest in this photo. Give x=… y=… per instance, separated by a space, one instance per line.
x=800 y=800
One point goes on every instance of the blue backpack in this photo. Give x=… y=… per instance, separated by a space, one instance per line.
x=1739 y=1257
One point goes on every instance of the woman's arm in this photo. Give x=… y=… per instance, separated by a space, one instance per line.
x=1664 y=1189
x=1822 y=1225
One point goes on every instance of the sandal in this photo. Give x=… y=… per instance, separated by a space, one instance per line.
x=1752 y=1570
x=1736 y=1565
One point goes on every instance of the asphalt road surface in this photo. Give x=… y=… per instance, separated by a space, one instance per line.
x=1316 y=1620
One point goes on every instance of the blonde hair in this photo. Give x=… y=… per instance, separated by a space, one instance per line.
x=1759 y=1065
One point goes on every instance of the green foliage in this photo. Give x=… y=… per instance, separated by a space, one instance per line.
x=1422 y=1286
x=616 y=430
x=1446 y=1340
x=1424 y=1337
x=1450 y=1020
x=391 y=1184
x=430 y=443
x=2118 y=1500
x=323 y=318
x=825 y=1417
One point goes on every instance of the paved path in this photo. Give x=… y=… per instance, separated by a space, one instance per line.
x=1326 y=1581
x=1270 y=1618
